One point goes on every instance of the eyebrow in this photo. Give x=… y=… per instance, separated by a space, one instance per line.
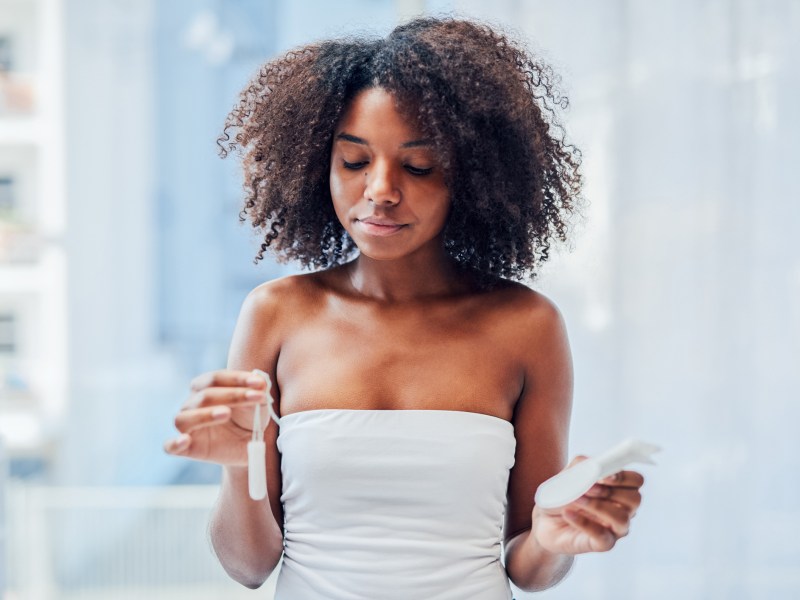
x=357 y=140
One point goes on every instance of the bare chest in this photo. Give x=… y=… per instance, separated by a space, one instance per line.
x=399 y=361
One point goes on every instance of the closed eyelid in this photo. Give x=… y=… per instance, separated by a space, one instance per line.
x=419 y=171
x=418 y=160
x=354 y=164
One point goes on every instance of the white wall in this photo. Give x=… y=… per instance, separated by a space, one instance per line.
x=682 y=293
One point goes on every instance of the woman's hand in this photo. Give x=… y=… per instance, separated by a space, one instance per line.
x=216 y=421
x=595 y=521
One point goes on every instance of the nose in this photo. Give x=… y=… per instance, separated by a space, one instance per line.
x=380 y=186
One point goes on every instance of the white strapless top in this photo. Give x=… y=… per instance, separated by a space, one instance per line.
x=384 y=504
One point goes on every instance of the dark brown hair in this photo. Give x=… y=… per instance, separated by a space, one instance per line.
x=488 y=107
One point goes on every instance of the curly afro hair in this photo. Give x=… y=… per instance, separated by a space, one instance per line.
x=487 y=106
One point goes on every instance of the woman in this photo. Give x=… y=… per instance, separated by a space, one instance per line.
x=423 y=394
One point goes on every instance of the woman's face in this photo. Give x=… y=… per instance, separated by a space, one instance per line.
x=387 y=186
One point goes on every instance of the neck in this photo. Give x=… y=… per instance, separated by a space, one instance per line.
x=411 y=278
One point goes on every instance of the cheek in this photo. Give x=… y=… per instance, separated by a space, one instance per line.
x=344 y=189
x=335 y=184
x=342 y=195
x=441 y=207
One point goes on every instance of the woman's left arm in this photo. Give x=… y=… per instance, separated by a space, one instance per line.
x=540 y=545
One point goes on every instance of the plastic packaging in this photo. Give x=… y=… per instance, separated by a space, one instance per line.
x=572 y=483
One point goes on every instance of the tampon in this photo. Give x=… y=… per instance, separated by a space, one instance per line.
x=256 y=449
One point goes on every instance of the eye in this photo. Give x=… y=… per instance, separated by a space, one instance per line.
x=418 y=171
x=355 y=166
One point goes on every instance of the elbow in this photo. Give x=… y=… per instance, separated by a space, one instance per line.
x=252 y=584
x=247 y=562
x=525 y=586
x=250 y=569
x=251 y=579
x=541 y=579
x=531 y=568
x=537 y=585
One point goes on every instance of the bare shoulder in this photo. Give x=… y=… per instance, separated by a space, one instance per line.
x=284 y=299
x=268 y=315
x=291 y=287
x=527 y=311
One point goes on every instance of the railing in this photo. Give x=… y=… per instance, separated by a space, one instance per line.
x=88 y=543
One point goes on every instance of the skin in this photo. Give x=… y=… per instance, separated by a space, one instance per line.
x=348 y=337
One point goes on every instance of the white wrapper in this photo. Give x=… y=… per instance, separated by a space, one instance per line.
x=572 y=483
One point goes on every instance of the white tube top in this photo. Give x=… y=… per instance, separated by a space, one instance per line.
x=384 y=504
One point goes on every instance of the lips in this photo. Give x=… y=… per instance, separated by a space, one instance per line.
x=379 y=226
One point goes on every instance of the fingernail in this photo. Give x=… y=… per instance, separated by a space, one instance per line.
x=219 y=412
x=255 y=381
x=254 y=395
x=181 y=442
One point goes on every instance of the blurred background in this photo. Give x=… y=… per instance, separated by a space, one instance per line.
x=123 y=267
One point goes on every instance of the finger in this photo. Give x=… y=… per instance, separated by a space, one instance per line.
x=631 y=479
x=228 y=378
x=610 y=514
x=229 y=396
x=187 y=421
x=627 y=497
x=603 y=539
x=179 y=445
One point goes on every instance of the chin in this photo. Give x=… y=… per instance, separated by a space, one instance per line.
x=381 y=250
x=381 y=254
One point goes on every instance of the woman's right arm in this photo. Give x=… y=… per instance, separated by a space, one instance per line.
x=216 y=424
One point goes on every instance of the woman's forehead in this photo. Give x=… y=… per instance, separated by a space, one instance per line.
x=375 y=112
